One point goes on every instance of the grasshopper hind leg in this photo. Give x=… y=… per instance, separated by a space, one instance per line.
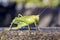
x=10 y=27
x=19 y=15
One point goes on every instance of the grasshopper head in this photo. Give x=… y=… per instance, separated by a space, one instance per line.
x=37 y=18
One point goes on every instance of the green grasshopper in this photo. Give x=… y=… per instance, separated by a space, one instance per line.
x=23 y=21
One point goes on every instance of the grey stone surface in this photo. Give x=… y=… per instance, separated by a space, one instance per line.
x=26 y=35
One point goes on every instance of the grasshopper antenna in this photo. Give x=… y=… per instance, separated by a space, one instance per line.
x=39 y=18
x=42 y=12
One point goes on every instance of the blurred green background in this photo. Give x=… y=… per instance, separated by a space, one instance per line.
x=50 y=10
